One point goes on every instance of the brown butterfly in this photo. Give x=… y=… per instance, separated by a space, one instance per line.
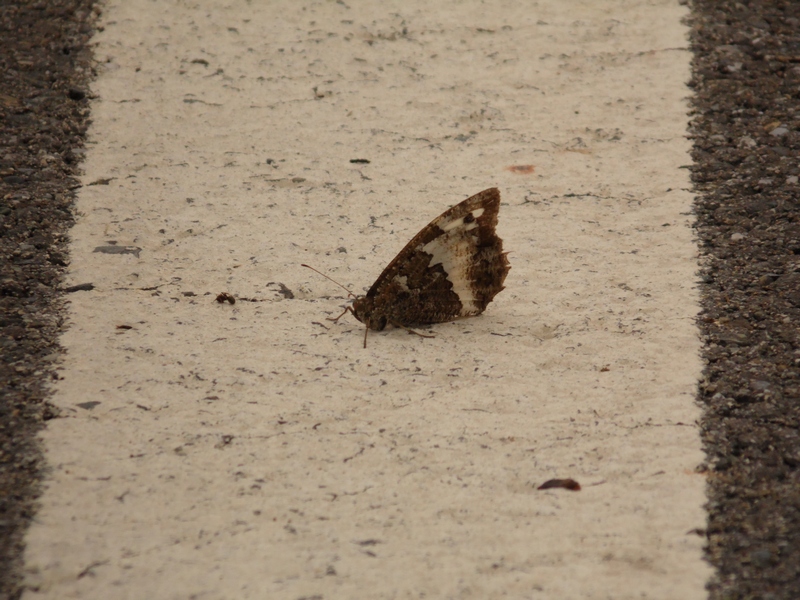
x=453 y=268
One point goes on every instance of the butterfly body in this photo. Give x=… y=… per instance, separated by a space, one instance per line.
x=453 y=268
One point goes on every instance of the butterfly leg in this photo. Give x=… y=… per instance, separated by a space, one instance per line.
x=409 y=330
x=344 y=312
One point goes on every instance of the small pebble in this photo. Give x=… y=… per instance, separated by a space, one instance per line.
x=761 y=558
x=747 y=141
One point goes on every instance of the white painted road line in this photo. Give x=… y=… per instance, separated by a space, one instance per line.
x=255 y=450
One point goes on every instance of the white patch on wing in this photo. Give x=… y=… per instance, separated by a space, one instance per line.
x=403 y=281
x=450 y=225
x=453 y=252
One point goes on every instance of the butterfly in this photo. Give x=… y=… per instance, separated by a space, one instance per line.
x=451 y=269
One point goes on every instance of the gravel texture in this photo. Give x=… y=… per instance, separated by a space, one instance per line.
x=44 y=68
x=746 y=128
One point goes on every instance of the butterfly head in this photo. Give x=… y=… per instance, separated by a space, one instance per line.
x=363 y=309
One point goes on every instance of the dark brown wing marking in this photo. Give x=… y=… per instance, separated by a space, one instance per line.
x=453 y=268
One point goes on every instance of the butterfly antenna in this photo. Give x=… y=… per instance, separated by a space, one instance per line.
x=349 y=293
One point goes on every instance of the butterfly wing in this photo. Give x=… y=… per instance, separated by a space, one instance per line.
x=452 y=268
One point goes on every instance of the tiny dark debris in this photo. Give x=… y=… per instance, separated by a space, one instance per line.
x=521 y=169
x=225 y=297
x=101 y=181
x=81 y=287
x=285 y=292
x=567 y=484
x=88 y=405
x=224 y=441
x=118 y=250
x=90 y=569
x=359 y=161
x=282 y=289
